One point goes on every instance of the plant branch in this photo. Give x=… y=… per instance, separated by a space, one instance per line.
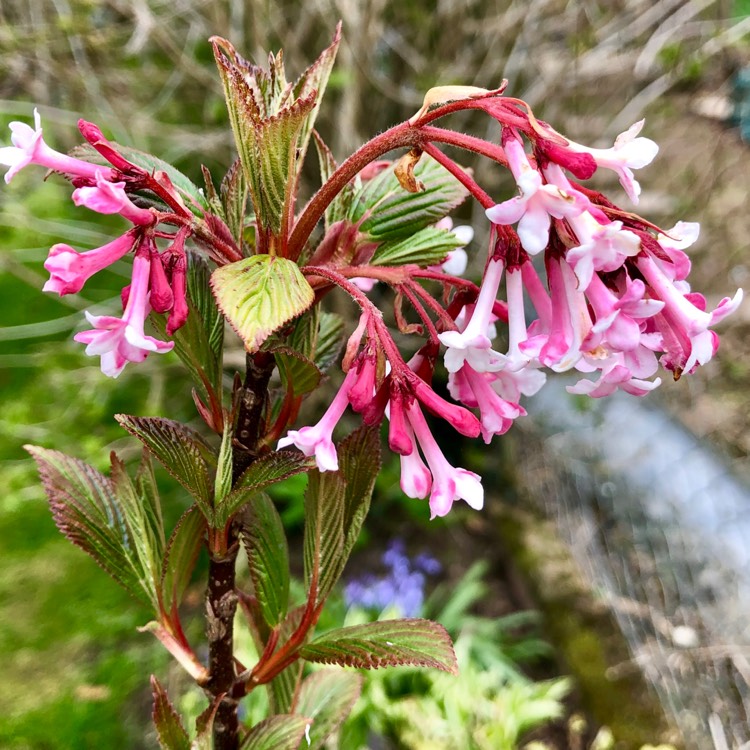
x=460 y=174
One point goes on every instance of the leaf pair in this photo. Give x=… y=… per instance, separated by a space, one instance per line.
x=272 y=121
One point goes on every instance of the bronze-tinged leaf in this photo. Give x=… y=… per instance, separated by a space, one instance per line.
x=169 y=728
x=327 y=697
x=387 y=643
x=85 y=508
x=280 y=732
x=260 y=294
x=297 y=371
x=179 y=449
x=312 y=84
x=282 y=688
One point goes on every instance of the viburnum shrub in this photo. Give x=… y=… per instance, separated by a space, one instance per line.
x=574 y=281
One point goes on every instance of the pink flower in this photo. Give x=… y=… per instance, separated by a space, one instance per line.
x=110 y=198
x=472 y=344
x=448 y=482
x=683 y=323
x=69 y=270
x=627 y=154
x=121 y=340
x=475 y=390
x=602 y=247
x=536 y=204
x=29 y=148
x=617 y=376
x=456 y=261
x=318 y=440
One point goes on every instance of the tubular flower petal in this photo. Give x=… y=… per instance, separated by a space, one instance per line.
x=536 y=204
x=121 y=340
x=318 y=440
x=110 y=198
x=69 y=270
x=29 y=148
x=448 y=482
x=628 y=153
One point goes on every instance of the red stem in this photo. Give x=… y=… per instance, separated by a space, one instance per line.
x=460 y=174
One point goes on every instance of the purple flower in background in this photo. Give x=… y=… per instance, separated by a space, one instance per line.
x=402 y=587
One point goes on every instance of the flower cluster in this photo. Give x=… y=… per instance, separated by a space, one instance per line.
x=610 y=300
x=159 y=278
x=402 y=588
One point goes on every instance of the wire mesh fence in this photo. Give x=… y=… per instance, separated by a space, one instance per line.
x=660 y=526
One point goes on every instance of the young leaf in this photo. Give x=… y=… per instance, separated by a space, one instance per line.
x=297 y=371
x=85 y=508
x=304 y=335
x=179 y=449
x=171 y=733
x=340 y=205
x=145 y=525
x=180 y=557
x=234 y=200
x=324 y=531
x=330 y=340
x=327 y=697
x=393 y=213
x=204 y=725
x=260 y=294
x=387 y=643
x=312 y=83
x=273 y=175
x=267 y=551
x=427 y=247
x=359 y=464
x=281 y=732
x=267 y=470
x=223 y=480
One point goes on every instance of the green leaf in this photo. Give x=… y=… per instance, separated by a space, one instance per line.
x=281 y=732
x=282 y=688
x=223 y=479
x=180 y=557
x=200 y=342
x=204 y=725
x=324 y=531
x=273 y=180
x=330 y=340
x=85 y=508
x=179 y=449
x=304 y=335
x=234 y=200
x=339 y=207
x=260 y=294
x=428 y=247
x=267 y=551
x=359 y=464
x=386 y=643
x=297 y=371
x=327 y=697
x=312 y=84
x=262 y=473
x=388 y=212
x=145 y=524
x=171 y=733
